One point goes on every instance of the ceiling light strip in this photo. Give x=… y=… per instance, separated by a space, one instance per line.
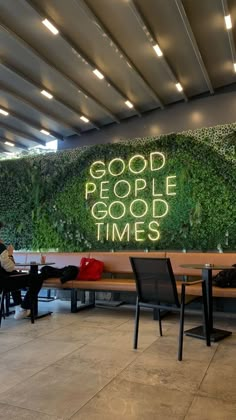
x=157 y=50
x=129 y=104
x=45 y=132
x=179 y=87
x=98 y=74
x=8 y=143
x=47 y=94
x=228 y=23
x=83 y=118
x=50 y=26
x=3 y=112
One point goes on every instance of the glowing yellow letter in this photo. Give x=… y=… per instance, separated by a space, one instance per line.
x=169 y=185
x=104 y=212
x=151 y=226
x=162 y=213
x=140 y=184
x=90 y=187
x=160 y=161
x=101 y=172
x=142 y=159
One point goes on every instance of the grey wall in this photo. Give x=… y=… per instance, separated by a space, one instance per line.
x=202 y=112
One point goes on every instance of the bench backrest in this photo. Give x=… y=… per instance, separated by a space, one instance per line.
x=61 y=259
x=118 y=262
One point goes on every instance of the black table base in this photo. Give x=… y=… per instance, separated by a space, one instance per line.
x=216 y=334
x=43 y=315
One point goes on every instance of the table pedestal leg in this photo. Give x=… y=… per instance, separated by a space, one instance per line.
x=215 y=333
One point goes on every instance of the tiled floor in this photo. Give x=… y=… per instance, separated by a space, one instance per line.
x=82 y=367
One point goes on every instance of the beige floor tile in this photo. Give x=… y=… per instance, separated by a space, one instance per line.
x=78 y=332
x=126 y=400
x=152 y=369
x=35 y=355
x=10 y=378
x=99 y=360
x=220 y=381
x=211 y=409
x=9 y=341
x=107 y=318
x=55 y=391
x=193 y=349
x=118 y=339
x=40 y=327
x=9 y=412
x=225 y=354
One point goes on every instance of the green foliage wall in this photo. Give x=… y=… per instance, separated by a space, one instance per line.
x=43 y=201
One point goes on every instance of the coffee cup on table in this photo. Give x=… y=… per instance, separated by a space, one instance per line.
x=43 y=259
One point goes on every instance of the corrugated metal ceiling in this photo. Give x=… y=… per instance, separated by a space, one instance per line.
x=117 y=38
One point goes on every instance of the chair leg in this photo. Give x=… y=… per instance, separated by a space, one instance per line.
x=136 y=324
x=7 y=303
x=181 y=326
x=32 y=309
x=159 y=319
x=2 y=307
x=205 y=311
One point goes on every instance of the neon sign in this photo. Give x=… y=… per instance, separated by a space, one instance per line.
x=115 y=203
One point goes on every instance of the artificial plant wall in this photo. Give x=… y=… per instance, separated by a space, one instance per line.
x=172 y=192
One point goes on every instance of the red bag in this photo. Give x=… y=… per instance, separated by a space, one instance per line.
x=90 y=269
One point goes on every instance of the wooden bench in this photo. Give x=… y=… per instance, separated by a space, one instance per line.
x=118 y=273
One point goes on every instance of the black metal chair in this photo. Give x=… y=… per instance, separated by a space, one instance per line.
x=156 y=289
x=4 y=301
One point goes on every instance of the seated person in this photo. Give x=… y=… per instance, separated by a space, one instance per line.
x=14 y=284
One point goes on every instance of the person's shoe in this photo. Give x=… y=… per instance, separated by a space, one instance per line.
x=21 y=313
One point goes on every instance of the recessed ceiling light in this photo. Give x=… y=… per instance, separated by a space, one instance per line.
x=47 y=94
x=3 y=112
x=86 y=120
x=228 y=22
x=45 y=132
x=8 y=143
x=98 y=74
x=129 y=104
x=157 y=50
x=179 y=87
x=235 y=67
x=50 y=26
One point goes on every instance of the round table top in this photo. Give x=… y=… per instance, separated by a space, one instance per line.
x=32 y=263
x=207 y=266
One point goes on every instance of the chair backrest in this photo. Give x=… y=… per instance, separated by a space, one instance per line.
x=155 y=281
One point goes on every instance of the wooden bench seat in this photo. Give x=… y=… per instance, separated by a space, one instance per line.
x=128 y=285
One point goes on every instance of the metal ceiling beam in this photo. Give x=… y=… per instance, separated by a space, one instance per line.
x=74 y=83
x=30 y=123
x=67 y=39
x=17 y=143
x=40 y=110
x=29 y=80
x=230 y=33
x=114 y=43
x=152 y=39
x=22 y=134
x=193 y=42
